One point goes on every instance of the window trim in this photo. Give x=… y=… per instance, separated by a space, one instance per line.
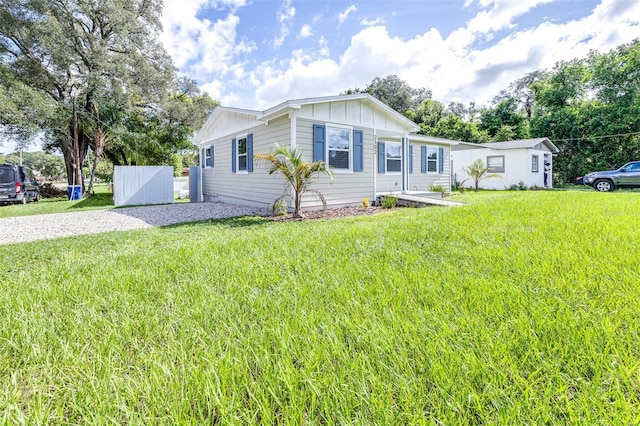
x=207 y=158
x=496 y=169
x=237 y=159
x=435 y=161
x=386 y=158
x=535 y=163
x=349 y=129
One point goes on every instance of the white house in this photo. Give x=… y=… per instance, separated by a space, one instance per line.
x=371 y=148
x=517 y=162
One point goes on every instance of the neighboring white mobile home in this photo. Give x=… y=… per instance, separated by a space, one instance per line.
x=520 y=162
x=370 y=147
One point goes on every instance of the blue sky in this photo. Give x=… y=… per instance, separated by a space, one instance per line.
x=256 y=54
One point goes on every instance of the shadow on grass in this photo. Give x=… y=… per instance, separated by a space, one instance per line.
x=95 y=200
x=228 y=222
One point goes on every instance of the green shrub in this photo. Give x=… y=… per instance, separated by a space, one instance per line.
x=436 y=188
x=279 y=207
x=389 y=201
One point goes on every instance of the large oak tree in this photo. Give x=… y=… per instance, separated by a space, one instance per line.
x=76 y=59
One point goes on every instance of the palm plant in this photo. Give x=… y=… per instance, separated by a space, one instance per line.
x=478 y=171
x=298 y=174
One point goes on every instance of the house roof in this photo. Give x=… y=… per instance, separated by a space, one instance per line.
x=252 y=117
x=517 y=144
x=425 y=138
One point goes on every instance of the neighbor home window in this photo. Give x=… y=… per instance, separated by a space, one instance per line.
x=495 y=164
x=339 y=148
x=242 y=154
x=432 y=159
x=534 y=163
x=393 y=157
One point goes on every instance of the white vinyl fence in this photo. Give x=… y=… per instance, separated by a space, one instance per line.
x=138 y=185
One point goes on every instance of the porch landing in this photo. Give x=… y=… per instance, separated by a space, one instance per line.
x=423 y=199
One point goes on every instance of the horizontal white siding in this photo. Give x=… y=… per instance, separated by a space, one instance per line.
x=517 y=167
x=347 y=188
x=418 y=181
x=256 y=188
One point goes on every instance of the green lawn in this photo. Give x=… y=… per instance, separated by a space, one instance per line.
x=519 y=308
x=101 y=199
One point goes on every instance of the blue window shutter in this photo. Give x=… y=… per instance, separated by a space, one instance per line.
x=441 y=160
x=358 y=150
x=381 y=158
x=250 y=152
x=233 y=155
x=410 y=158
x=203 y=158
x=318 y=142
x=423 y=159
x=211 y=155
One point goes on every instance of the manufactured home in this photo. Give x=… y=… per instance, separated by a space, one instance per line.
x=371 y=148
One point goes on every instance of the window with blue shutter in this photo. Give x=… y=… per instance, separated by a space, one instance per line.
x=207 y=157
x=318 y=142
x=381 y=157
x=358 y=150
x=242 y=154
x=410 y=158
x=423 y=159
x=393 y=157
x=441 y=160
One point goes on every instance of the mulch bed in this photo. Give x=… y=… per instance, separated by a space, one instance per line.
x=331 y=213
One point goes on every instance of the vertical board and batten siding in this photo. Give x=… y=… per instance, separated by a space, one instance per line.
x=253 y=188
x=356 y=112
x=348 y=188
x=224 y=122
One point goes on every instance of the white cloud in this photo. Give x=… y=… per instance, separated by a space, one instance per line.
x=372 y=22
x=455 y=69
x=344 y=15
x=305 y=31
x=500 y=15
x=199 y=45
x=285 y=15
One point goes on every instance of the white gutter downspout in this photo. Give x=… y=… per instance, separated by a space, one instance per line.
x=375 y=165
x=405 y=163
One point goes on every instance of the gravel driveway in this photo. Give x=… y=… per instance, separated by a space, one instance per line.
x=40 y=227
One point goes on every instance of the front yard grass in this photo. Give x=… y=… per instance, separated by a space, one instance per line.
x=519 y=308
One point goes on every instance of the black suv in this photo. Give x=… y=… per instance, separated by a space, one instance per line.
x=17 y=185
x=627 y=176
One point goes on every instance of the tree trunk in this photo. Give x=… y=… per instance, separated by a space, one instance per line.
x=93 y=174
x=296 y=209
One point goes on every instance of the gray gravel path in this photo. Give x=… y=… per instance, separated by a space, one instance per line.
x=40 y=227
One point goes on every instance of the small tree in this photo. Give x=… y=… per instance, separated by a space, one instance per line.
x=478 y=171
x=298 y=174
